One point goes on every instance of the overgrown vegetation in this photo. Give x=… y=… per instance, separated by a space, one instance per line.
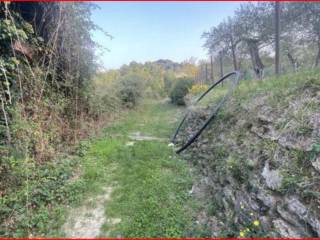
x=52 y=97
x=149 y=80
x=46 y=67
x=130 y=89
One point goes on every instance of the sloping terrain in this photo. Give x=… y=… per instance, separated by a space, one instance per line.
x=260 y=161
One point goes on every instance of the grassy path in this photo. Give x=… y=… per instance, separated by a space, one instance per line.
x=150 y=196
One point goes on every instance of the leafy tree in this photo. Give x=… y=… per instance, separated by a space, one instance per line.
x=253 y=24
x=223 y=38
x=307 y=15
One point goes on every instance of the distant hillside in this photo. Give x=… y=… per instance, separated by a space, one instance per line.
x=168 y=64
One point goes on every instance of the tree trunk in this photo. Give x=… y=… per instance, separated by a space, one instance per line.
x=234 y=59
x=293 y=61
x=257 y=64
x=277 y=37
x=235 y=66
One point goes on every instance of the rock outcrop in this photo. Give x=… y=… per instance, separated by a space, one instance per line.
x=260 y=164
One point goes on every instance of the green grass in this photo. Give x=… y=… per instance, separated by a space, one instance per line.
x=151 y=198
x=151 y=182
x=152 y=118
x=284 y=84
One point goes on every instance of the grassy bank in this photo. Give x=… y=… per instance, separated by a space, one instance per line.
x=267 y=127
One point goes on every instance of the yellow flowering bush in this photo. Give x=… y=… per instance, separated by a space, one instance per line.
x=198 y=88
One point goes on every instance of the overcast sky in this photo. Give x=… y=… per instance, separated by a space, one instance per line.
x=148 y=31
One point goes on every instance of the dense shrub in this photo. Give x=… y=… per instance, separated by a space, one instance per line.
x=130 y=89
x=47 y=61
x=40 y=84
x=102 y=106
x=180 y=90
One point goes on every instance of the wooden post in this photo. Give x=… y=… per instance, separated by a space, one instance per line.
x=206 y=73
x=211 y=68
x=202 y=73
x=195 y=76
x=221 y=63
